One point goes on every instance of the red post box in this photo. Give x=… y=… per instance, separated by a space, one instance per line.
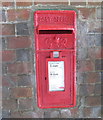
x=55 y=43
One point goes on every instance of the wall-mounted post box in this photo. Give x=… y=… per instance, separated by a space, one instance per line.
x=55 y=42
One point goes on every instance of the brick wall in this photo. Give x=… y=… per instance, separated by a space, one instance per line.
x=18 y=63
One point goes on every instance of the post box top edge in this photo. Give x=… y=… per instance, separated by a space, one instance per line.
x=54 y=11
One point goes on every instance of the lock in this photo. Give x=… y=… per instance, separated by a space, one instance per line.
x=55 y=46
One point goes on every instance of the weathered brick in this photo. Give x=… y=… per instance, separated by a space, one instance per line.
x=99 y=13
x=92 y=112
x=101 y=75
x=3 y=16
x=93 y=101
x=30 y=114
x=18 y=14
x=81 y=77
x=98 y=89
x=16 y=114
x=55 y=114
x=65 y=113
x=82 y=54
x=98 y=40
x=92 y=77
x=25 y=104
x=91 y=53
x=24 y=80
x=86 y=90
x=20 y=68
x=23 y=55
x=21 y=92
x=8 y=4
x=85 y=65
x=3 y=43
x=9 y=104
x=47 y=113
x=82 y=33
x=5 y=114
x=4 y=68
x=74 y=112
x=0 y=92
x=8 y=29
x=101 y=90
x=95 y=27
x=22 y=28
x=87 y=13
x=9 y=81
x=90 y=40
x=18 y=42
x=98 y=64
x=8 y=55
x=5 y=93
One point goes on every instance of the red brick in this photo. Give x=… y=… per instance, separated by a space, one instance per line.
x=7 y=4
x=11 y=15
x=92 y=77
x=93 y=101
x=23 y=14
x=19 y=14
x=8 y=55
x=8 y=29
x=85 y=66
x=80 y=2
x=25 y=104
x=21 y=92
x=99 y=52
x=23 y=3
x=19 y=68
x=18 y=42
x=87 y=13
x=9 y=104
x=94 y=3
x=95 y=52
x=53 y=2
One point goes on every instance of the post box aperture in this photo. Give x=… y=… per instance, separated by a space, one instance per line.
x=55 y=45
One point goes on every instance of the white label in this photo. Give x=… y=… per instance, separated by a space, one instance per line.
x=56 y=75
